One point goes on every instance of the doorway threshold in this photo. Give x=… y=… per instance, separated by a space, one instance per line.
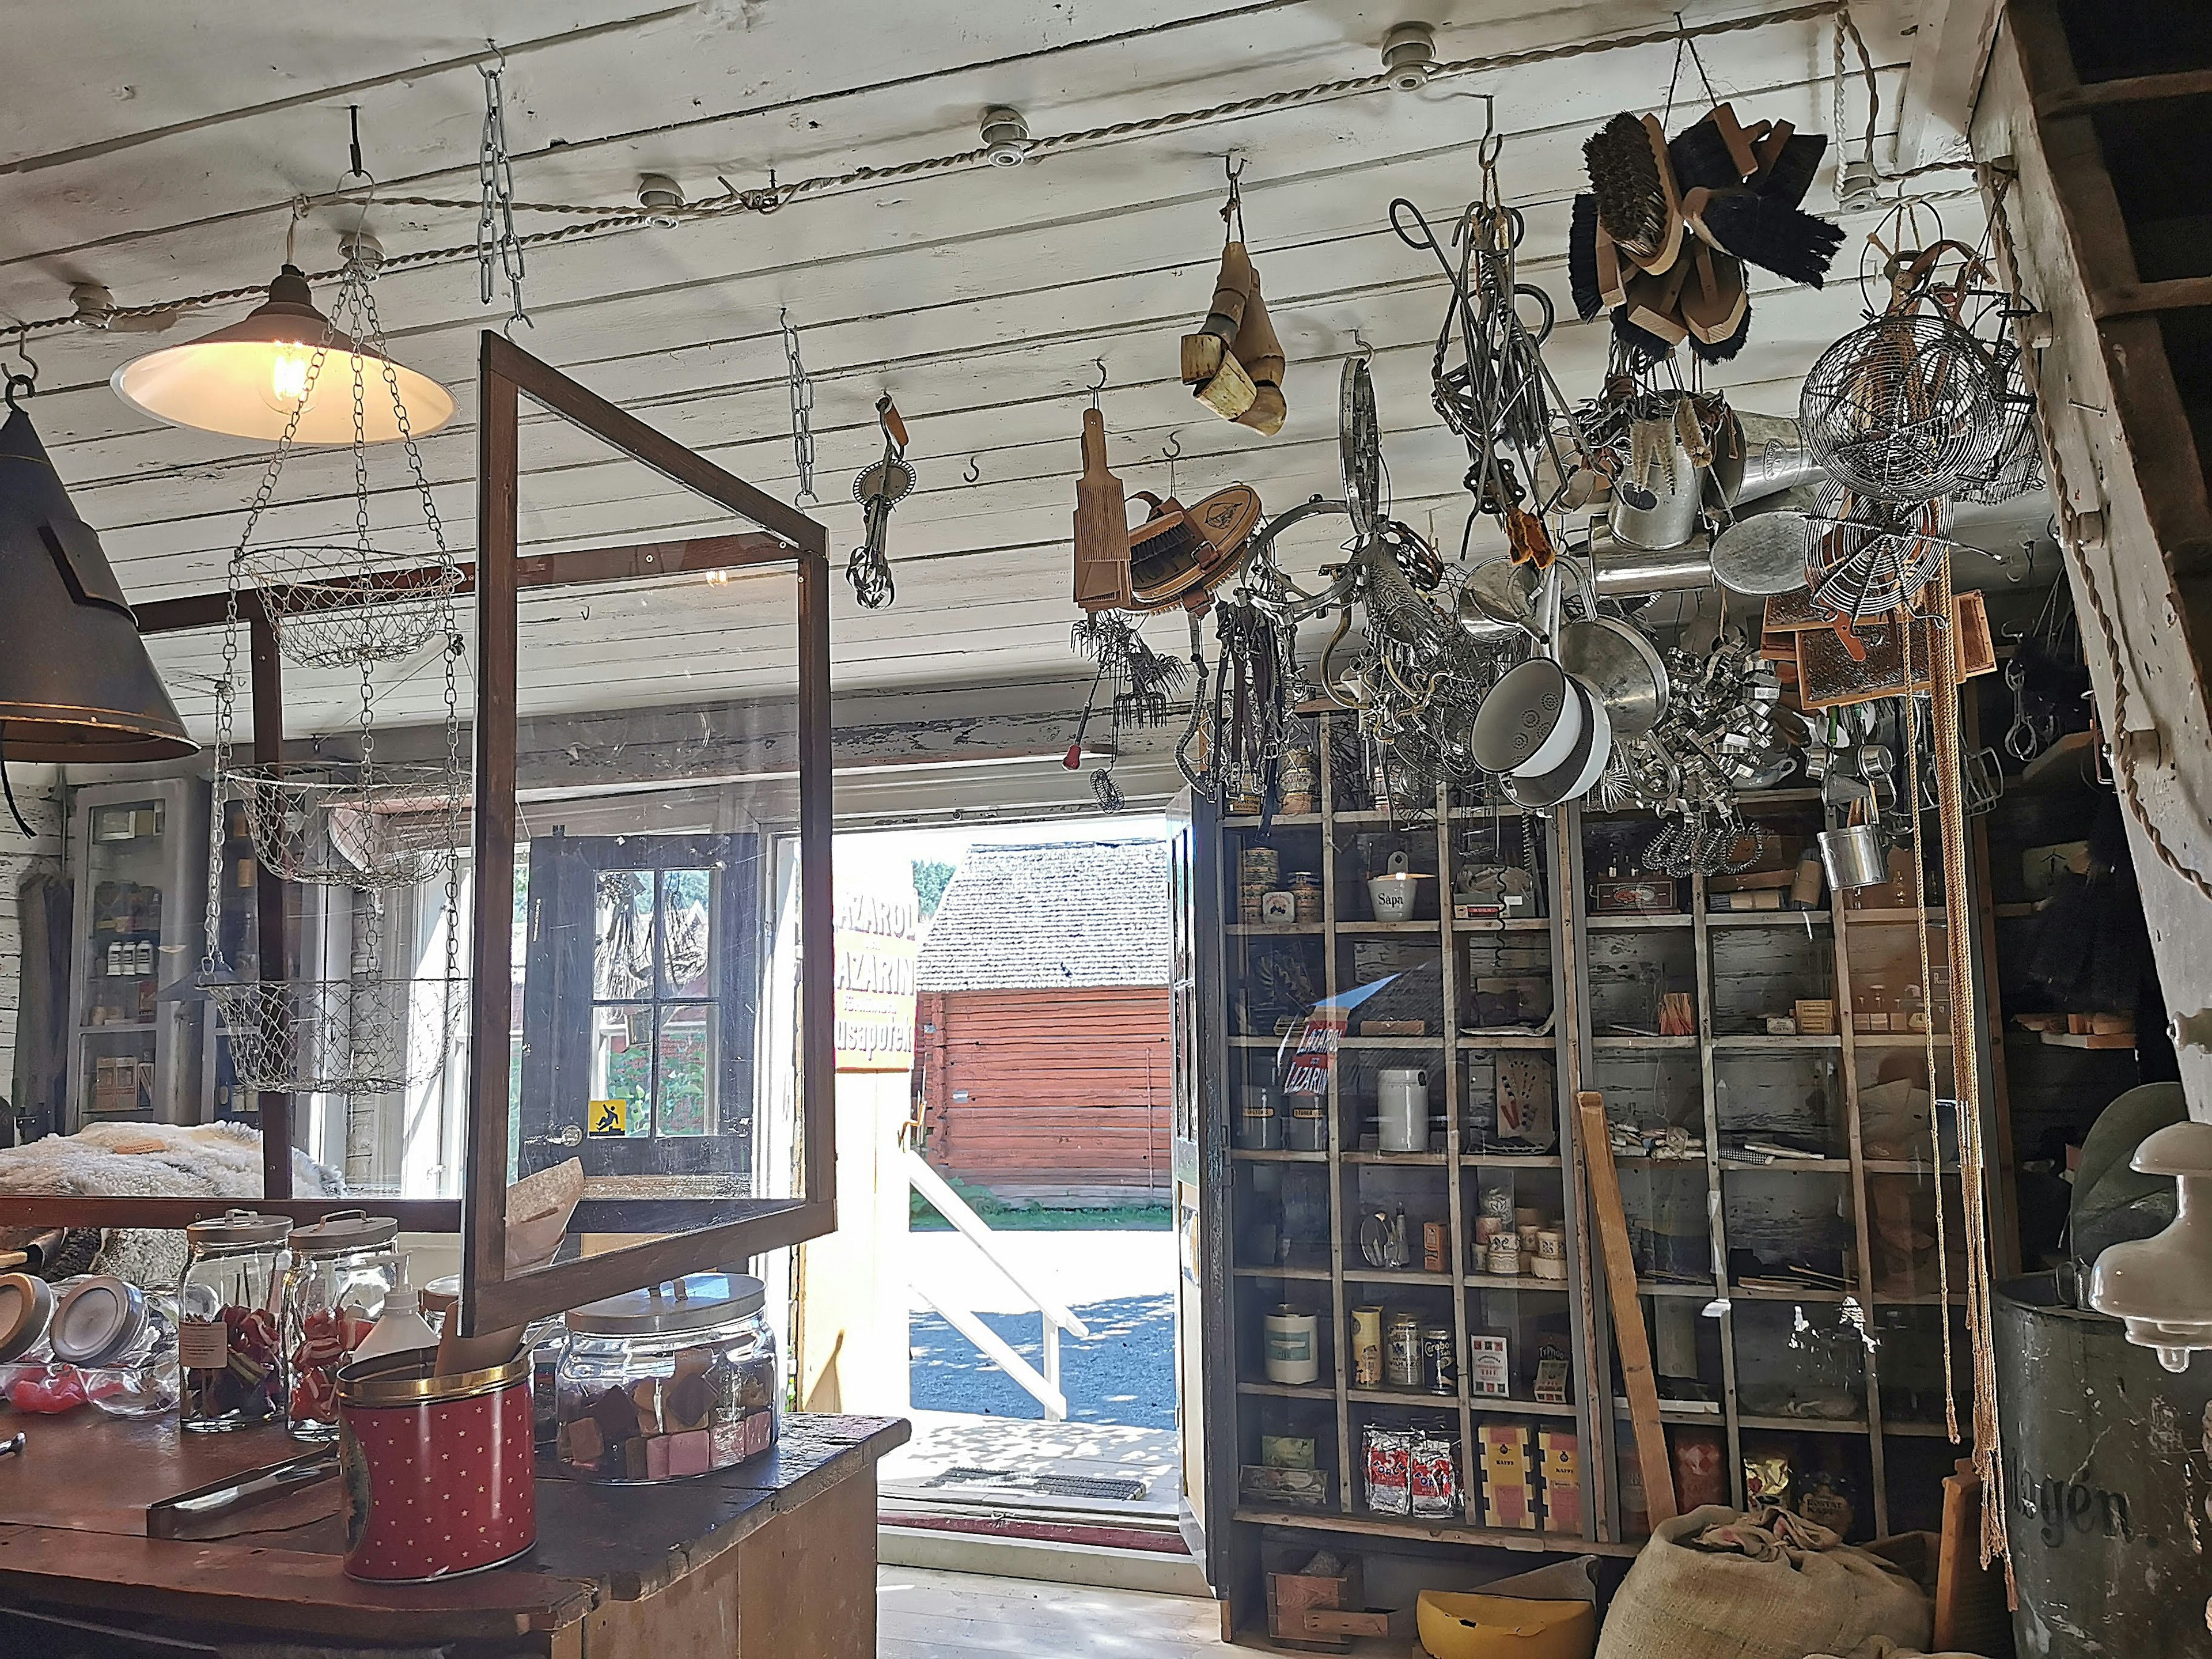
x=1100 y=1473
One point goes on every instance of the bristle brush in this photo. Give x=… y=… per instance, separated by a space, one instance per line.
x=1772 y=235
x=1795 y=165
x=1624 y=177
x=1581 y=259
x=1719 y=351
x=1646 y=348
x=1701 y=155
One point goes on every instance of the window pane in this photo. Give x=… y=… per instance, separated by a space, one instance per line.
x=622 y=958
x=686 y=932
x=690 y=1058
x=621 y=1070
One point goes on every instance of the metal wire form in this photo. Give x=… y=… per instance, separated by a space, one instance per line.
x=1904 y=410
x=1873 y=555
x=339 y=1036
x=344 y=824
x=335 y=607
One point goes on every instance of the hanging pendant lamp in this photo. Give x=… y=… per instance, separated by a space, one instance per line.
x=76 y=682
x=246 y=380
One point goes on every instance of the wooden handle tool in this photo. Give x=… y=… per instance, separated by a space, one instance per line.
x=1101 y=525
x=1629 y=1339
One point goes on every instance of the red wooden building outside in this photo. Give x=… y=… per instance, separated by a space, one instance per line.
x=1042 y=1029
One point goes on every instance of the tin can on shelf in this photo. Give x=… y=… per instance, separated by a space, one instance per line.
x=438 y=1471
x=1293 y=1344
x=1308 y=1128
x=1439 y=1360
x=1401 y=1352
x=1367 y=1347
x=1298 y=777
x=1304 y=889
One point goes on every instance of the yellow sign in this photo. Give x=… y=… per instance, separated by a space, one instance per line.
x=878 y=941
x=609 y=1117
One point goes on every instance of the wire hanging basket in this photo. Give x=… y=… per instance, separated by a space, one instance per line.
x=335 y=606
x=1904 y=410
x=347 y=824
x=340 y=1036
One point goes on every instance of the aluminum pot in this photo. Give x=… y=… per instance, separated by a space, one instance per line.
x=439 y=1470
x=1854 y=857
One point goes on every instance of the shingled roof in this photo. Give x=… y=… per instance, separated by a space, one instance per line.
x=1044 y=917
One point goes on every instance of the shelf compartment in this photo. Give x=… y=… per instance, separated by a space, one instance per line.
x=1805 y=1425
x=1287 y=1390
x=1440 y=1532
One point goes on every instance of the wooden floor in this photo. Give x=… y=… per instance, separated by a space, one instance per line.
x=948 y=1615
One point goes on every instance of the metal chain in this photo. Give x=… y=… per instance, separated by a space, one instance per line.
x=1995 y=184
x=497 y=241
x=615 y=219
x=802 y=410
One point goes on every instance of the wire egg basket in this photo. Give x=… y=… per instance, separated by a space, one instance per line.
x=336 y=607
x=343 y=824
x=340 y=1036
x=1908 y=408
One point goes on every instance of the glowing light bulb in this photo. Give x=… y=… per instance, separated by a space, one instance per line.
x=291 y=367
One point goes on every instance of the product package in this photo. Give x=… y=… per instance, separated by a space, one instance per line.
x=1559 y=1456
x=1432 y=1472
x=1288 y=1451
x=1489 y=1365
x=1386 y=1455
x=1508 y=1491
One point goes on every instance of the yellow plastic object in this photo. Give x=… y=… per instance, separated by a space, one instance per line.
x=1505 y=1627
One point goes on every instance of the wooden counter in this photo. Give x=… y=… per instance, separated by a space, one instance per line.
x=126 y=1526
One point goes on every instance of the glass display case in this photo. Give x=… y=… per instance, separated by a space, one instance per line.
x=137 y=860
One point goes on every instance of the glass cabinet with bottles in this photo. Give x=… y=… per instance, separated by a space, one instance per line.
x=138 y=862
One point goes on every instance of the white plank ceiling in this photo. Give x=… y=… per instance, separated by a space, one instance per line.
x=155 y=150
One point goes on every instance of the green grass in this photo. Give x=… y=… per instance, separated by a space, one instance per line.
x=1001 y=1217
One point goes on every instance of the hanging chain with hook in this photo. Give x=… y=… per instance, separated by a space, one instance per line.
x=497 y=244
x=1232 y=209
x=25 y=379
x=802 y=410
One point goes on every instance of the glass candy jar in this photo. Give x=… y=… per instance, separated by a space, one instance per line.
x=121 y=1341
x=669 y=1382
x=342 y=1267
x=227 y=1303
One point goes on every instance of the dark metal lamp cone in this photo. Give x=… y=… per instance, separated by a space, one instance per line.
x=76 y=682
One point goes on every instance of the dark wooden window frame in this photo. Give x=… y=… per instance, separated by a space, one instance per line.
x=491 y=1299
x=733 y=1229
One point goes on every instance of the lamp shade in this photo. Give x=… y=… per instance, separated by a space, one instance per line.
x=245 y=380
x=75 y=683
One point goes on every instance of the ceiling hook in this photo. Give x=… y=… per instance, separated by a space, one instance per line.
x=1172 y=450
x=1100 y=386
x=974 y=474
x=1366 y=352
x=30 y=374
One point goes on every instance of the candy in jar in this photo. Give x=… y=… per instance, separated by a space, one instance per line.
x=227 y=1304
x=342 y=1267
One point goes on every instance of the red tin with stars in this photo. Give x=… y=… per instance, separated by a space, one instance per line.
x=437 y=1469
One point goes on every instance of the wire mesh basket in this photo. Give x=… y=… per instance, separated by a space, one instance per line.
x=1904 y=410
x=344 y=824
x=340 y=1036
x=339 y=607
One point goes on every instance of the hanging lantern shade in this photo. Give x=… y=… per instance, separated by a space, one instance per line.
x=75 y=683
x=246 y=380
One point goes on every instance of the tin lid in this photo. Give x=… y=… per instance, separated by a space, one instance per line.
x=27 y=1306
x=696 y=1302
x=238 y=1227
x=344 y=1229
x=100 y=1317
x=442 y=1294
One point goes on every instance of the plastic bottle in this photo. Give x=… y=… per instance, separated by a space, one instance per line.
x=401 y=1326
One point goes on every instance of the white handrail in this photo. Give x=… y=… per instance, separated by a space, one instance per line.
x=954 y=1208
x=1044 y=1390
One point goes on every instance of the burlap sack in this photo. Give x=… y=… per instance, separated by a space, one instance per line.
x=1681 y=1603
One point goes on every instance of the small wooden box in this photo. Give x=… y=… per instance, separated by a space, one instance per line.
x=1308 y=1610
x=1816 y=1016
x=1644 y=896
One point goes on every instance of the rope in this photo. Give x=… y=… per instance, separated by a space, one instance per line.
x=597 y=219
x=1997 y=185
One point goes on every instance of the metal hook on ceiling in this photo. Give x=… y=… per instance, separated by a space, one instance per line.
x=974 y=474
x=1366 y=352
x=1232 y=209
x=1100 y=386
x=1172 y=450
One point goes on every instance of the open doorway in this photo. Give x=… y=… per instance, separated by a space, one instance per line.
x=1041 y=1305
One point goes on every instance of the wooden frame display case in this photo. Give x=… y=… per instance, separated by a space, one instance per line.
x=1661 y=1004
x=492 y=1299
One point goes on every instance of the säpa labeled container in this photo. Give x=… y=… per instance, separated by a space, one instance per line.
x=438 y=1469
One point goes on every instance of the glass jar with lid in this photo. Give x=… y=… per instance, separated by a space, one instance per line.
x=675 y=1380
x=227 y=1303
x=342 y=1268
x=122 y=1343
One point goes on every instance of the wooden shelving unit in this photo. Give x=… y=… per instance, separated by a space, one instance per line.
x=1743 y=1335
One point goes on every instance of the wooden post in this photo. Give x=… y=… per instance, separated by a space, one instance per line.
x=1635 y=1373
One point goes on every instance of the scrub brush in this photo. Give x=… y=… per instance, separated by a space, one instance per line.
x=1719 y=351
x=1644 y=347
x=1634 y=184
x=1795 y=163
x=1701 y=156
x=1770 y=234
x=1581 y=259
